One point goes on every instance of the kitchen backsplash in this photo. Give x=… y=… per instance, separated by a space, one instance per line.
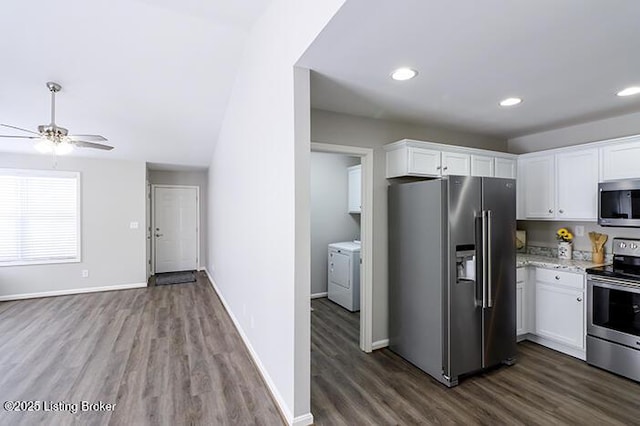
x=542 y=234
x=553 y=252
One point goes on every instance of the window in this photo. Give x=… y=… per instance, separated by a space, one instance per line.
x=39 y=217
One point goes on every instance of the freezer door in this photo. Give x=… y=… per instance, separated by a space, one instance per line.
x=416 y=273
x=499 y=316
x=462 y=310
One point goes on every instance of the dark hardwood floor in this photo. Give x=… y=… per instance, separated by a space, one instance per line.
x=166 y=355
x=544 y=387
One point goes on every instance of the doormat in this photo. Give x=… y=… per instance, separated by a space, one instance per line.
x=175 y=277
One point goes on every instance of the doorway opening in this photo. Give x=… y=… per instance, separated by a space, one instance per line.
x=335 y=267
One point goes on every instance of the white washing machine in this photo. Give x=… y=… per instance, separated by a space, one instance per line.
x=343 y=285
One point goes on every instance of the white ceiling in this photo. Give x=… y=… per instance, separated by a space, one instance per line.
x=153 y=76
x=566 y=59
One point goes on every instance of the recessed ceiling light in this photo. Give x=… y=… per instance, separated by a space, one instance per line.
x=629 y=91
x=402 y=74
x=510 y=101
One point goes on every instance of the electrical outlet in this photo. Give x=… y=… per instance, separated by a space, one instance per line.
x=579 y=231
x=85 y=273
x=133 y=225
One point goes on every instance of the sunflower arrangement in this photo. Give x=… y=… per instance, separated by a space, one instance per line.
x=563 y=235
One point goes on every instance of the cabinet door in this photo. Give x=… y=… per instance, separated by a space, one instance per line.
x=520 y=309
x=424 y=162
x=505 y=168
x=577 y=185
x=538 y=188
x=621 y=161
x=355 y=191
x=482 y=166
x=454 y=163
x=559 y=314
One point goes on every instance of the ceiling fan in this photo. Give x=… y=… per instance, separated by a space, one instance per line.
x=56 y=139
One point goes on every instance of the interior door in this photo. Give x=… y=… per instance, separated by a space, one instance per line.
x=175 y=228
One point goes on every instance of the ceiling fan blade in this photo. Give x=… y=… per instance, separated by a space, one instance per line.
x=85 y=144
x=93 y=138
x=18 y=128
x=19 y=137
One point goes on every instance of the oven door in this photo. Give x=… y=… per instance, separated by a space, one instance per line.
x=613 y=312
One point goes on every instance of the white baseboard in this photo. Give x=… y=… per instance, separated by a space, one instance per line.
x=319 y=295
x=303 y=420
x=71 y=291
x=379 y=344
x=574 y=352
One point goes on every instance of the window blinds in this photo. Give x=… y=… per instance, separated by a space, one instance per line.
x=39 y=217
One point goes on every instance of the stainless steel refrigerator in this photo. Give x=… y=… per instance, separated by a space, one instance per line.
x=452 y=283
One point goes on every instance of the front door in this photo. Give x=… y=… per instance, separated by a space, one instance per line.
x=175 y=228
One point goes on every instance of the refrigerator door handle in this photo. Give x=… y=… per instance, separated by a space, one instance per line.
x=488 y=262
x=484 y=258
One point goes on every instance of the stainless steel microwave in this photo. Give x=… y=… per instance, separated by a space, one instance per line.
x=619 y=203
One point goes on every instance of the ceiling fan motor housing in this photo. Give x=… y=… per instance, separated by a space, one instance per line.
x=53 y=131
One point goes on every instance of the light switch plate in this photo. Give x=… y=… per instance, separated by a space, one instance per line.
x=579 y=231
x=133 y=225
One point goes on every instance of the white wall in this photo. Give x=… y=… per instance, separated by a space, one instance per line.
x=197 y=178
x=330 y=220
x=258 y=211
x=341 y=129
x=624 y=125
x=112 y=196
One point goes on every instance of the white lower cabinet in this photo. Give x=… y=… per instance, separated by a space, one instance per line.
x=559 y=314
x=550 y=309
x=522 y=303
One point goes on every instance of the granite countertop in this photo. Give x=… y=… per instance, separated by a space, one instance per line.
x=579 y=266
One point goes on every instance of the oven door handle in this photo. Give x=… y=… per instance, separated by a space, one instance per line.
x=614 y=284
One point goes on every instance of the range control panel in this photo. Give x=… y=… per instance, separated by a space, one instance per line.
x=626 y=247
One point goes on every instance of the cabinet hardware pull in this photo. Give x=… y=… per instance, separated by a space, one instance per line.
x=561 y=211
x=550 y=210
x=579 y=299
x=557 y=277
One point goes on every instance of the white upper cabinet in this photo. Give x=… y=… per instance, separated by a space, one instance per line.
x=562 y=186
x=417 y=158
x=505 y=168
x=620 y=161
x=455 y=163
x=538 y=186
x=425 y=162
x=482 y=165
x=355 y=188
x=577 y=184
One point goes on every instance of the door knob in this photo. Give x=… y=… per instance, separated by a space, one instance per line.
x=159 y=235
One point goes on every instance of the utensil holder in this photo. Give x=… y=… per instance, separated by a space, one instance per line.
x=598 y=257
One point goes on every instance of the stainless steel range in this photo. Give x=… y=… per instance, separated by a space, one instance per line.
x=613 y=311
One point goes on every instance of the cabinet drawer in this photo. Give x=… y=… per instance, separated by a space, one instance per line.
x=553 y=276
x=521 y=274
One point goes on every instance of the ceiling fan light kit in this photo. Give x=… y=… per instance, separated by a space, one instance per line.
x=52 y=138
